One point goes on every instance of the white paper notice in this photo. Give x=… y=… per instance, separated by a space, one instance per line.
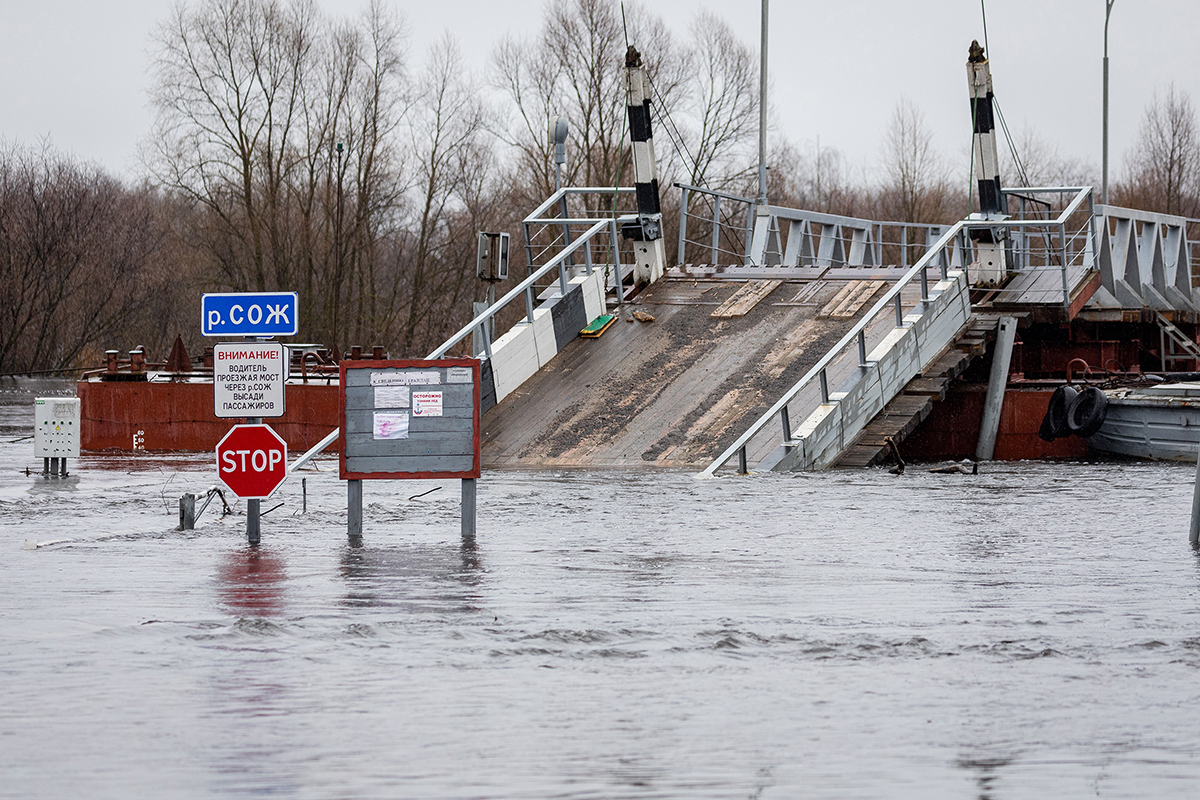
x=425 y=378
x=391 y=426
x=458 y=375
x=427 y=404
x=391 y=396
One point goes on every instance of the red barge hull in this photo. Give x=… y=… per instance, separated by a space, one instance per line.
x=151 y=415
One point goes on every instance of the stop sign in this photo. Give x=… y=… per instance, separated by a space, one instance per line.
x=252 y=461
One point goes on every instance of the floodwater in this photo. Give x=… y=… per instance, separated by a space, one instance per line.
x=1030 y=632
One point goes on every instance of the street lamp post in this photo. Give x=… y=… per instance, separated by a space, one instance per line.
x=1108 y=4
x=762 y=112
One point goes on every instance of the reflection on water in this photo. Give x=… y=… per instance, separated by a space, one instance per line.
x=1031 y=632
x=251 y=581
x=429 y=576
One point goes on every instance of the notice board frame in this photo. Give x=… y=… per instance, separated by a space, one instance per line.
x=410 y=363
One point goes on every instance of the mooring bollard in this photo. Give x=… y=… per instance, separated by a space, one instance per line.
x=187 y=512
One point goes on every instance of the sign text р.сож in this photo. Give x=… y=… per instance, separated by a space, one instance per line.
x=249 y=314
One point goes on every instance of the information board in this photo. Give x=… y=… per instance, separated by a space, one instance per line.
x=249 y=379
x=410 y=419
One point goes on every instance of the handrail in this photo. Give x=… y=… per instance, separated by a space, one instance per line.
x=566 y=190
x=714 y=192
x=313 y=451
x=528 y=283
x=835 y=352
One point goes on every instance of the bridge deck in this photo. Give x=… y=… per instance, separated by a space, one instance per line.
x=673 y=392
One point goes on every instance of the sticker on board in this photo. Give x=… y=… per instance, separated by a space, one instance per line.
x=390 y=426
x=427 y=378
x=391 y=396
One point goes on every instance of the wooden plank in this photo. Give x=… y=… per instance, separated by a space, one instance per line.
x=850 y=300
x=745 y=299
x=934 y=387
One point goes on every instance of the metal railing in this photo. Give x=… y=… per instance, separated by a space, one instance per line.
x=722 y=226
x=555 y=224
x=526 y=288
x=725 y=238
x=952 y=245
x=855 y=337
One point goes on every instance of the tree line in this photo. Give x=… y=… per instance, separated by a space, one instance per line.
x=330 y=156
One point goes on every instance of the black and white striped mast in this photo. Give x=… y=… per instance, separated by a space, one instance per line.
x=989 y=242
x=647 y=235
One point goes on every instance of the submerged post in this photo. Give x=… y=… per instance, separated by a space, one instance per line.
x=254 y=507
x=989 y=426
x=187 y=512
x=468 y=508
x=354 y=510
x=1194 y=538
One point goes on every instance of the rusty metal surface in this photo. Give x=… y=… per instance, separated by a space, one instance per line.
x=179 y=415
x=952 y=429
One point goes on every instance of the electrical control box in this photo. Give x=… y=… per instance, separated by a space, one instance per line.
x=56 y=427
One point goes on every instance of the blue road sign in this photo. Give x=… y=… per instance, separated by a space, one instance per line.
x=249 y=314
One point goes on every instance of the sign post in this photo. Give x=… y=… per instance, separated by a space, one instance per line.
x=249 y=378
x=409 y=419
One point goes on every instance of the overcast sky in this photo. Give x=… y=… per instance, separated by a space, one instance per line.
x=77 y=71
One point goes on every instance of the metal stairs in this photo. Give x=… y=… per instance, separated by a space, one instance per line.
x=1175 y=345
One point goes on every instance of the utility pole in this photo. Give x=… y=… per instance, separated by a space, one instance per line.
x=1108 y=4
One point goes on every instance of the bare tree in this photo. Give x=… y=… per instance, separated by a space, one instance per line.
x=719 y=105
x=1162 y=169
x=75 y=247
x=446 y=133
x=278 y=125
x=574 y=69
x=917 y=184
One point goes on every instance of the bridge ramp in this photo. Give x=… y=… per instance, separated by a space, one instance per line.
x=673 y=392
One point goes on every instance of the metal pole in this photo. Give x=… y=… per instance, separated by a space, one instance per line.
x=304 y=495
x=762 y=111
x=1104 y=179
x=468 y=509
x=993 y=404
x=716 y=229
x=253 y=528
x=683 y=221
x=1194 y=538
x=354 y=511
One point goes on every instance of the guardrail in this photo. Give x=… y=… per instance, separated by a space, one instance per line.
x=856 y=336
x=792 y=236
x=526 y=287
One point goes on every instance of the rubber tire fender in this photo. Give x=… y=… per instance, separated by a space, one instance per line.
x=1055 y=423
x=1087 y=412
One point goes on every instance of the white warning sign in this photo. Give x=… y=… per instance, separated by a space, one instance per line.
x=248 y=379
x=426 y=404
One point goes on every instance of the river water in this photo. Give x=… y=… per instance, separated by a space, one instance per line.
x=1029 y=632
